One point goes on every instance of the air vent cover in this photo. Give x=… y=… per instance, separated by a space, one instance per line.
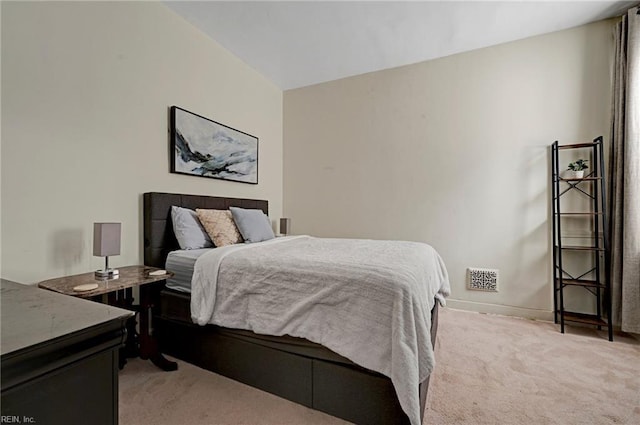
x=483 y=279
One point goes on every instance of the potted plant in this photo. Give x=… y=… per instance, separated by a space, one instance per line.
x=578 y=168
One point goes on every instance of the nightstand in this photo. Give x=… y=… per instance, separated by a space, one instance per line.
x=119 y=292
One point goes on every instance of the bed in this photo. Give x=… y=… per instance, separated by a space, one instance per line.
x=290 y=367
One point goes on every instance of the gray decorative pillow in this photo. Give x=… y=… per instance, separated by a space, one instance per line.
x=188 y=229
x=254 y=225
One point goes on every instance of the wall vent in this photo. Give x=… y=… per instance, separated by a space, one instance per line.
x=482 y=279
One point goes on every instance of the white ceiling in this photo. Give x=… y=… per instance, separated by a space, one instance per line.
x=295 y=44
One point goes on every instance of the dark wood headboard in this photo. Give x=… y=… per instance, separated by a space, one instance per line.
x=159 y=239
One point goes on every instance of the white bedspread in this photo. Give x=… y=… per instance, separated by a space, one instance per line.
x=368 y=301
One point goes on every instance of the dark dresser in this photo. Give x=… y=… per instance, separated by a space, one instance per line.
x=58 y=357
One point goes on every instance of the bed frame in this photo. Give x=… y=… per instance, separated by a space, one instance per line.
x=292 y=368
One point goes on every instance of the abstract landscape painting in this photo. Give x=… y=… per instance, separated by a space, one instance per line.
x=203 y=147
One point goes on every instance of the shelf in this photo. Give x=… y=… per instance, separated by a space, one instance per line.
x=577 y=145
x=581 y=248
x=589 y=245
x=581 y=213
x=581 y=282
x=590 y=319
x=573 y=179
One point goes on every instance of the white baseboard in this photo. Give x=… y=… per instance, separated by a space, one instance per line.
x=505 y=310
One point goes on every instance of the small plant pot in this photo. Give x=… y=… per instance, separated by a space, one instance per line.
x=579 y=174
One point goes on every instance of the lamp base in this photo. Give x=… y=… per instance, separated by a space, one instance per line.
x=108 y=273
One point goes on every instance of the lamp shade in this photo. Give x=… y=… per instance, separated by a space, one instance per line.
x=285 y=226
x=106 y=239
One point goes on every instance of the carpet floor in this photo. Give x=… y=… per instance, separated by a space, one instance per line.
x=489 y=370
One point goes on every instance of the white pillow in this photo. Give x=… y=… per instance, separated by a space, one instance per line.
x=254 y=225
x=188 y=229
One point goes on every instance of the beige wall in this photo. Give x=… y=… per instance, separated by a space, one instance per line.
x=453 y=152
x=86 y=89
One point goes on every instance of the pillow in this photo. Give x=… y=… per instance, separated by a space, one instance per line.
x=188 y=230
x=254 y=225
x=220 y=226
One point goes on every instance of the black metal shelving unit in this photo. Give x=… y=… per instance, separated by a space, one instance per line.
x=596 y=278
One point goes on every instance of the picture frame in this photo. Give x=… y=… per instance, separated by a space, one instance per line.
x=203 y=147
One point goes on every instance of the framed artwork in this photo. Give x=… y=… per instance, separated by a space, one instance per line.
x=205 y=148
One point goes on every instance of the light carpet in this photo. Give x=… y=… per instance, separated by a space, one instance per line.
x=489 y=370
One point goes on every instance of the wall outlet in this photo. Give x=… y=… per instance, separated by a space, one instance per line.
x=482 y=279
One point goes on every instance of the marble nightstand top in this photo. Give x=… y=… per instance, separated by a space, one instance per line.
x=130 y=276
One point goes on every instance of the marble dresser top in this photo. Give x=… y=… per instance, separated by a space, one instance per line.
x=30 y=315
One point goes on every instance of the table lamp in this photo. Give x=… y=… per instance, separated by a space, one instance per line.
x=106 y=242
x=285 y=226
